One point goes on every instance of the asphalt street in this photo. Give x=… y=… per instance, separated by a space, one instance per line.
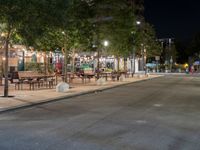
x=158 y=114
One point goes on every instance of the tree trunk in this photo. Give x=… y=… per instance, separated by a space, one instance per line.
x=6 y=61
x=118 y=73
x=1 y=75
x=125 y=64
x=6 y=68
x=73 y=60
x=98 y=63
x=133 y=71
x=65 y=63
x=45 y=61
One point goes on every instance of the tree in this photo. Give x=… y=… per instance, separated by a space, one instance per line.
x=114 y=21
x=182 y=53
x=11 y=14
x=193 y=49
x=29 y=19
x=147 y=37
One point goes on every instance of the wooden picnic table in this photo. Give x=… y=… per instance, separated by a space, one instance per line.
x=105 y=75
x=87 y=76
x=36 y=80
x=70 y=76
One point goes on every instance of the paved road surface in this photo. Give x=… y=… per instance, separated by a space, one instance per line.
x=159 y=114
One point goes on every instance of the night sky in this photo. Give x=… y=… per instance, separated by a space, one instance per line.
x=174 y=18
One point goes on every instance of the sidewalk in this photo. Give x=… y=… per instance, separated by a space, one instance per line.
x=26 y=98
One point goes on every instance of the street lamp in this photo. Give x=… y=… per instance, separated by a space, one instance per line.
x=138 y=23
x=106 y=43
x=65 y=57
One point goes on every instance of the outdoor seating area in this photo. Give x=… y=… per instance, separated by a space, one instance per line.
x=87 y=75
x=34 y=80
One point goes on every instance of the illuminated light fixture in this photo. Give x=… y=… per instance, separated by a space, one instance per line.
x=186 y=65
x=4 y=58
x=94 y=46
x=106 y=43
x=138 y=22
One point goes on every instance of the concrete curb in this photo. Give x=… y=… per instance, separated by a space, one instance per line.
x=61 y=98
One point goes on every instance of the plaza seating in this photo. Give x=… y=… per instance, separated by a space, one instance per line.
x=34 y=80
x=86 y=74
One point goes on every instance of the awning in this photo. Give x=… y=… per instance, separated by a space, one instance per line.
x=196 y=63
x=150 y=65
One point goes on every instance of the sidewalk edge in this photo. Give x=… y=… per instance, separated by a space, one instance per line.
x=61 y=98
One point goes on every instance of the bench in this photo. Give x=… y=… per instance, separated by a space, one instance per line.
x=34 y=80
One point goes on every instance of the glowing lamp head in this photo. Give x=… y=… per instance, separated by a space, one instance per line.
x=138 y=22
x=106 y=43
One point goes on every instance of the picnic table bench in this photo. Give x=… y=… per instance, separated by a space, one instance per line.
x=34 y=80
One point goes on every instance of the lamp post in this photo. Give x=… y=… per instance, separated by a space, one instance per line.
x=65 y=57
x=106 y=44
x=138 y=23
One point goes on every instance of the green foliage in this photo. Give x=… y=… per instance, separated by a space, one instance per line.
x=147 y=37
x=194 y=48
x=32 y=66
x=114 y=21
x=40 y=24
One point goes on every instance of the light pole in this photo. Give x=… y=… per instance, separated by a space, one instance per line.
x=65 y=57
x=106 y=44
x=138 y=23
